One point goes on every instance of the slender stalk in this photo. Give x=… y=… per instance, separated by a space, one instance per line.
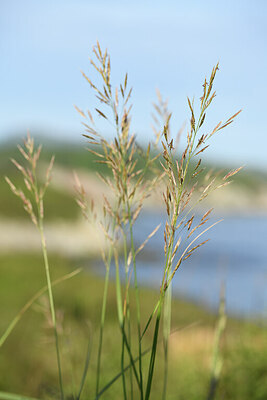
x=127 y=305
x=85 y=370
x=121 y=322
x=131 y=357
x=116 y=377
x=39 y=203
x=153 y=352
x=122 y=363
x=166 y=335
x=103 y=315
x=137 y=307
x=52 y=306
x=150 y=318
x=168 y=267
x=121 y=319
x=130 y=371
x=102 y=323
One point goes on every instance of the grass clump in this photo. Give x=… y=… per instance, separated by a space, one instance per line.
x=131 y=175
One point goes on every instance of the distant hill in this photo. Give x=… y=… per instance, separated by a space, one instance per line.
x=249 y=190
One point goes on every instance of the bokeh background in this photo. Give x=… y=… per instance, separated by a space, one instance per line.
x=171 y=46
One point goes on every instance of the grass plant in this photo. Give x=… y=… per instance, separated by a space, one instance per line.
x=36 y=214
x=131 y=188
x=131 y=174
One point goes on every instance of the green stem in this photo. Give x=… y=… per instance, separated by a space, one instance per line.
x=153 y=352
x=103 y=315
x=166 y=335
x=131 y=371
x=102 y=323
x=122 y=363
x=127 y=304
x=52 y=306
x=137 y=305
x=131 y=357
x=121 y=319
x=116 y=377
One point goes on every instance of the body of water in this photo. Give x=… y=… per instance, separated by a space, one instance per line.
x=236 y=255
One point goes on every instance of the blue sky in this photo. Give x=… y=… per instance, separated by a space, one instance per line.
x=169 y=45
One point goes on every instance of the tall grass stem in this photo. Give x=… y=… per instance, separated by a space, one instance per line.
x=52 y=306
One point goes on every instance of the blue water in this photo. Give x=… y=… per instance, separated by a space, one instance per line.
x=236 y=255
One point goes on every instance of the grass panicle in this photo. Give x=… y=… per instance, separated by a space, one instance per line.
x=131 y=173
x=130 y=187
x=36 y=213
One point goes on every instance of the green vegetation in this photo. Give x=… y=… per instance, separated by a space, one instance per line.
x=136 y=354
x=74 y=156
x=27 y=360
x=58 y=204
